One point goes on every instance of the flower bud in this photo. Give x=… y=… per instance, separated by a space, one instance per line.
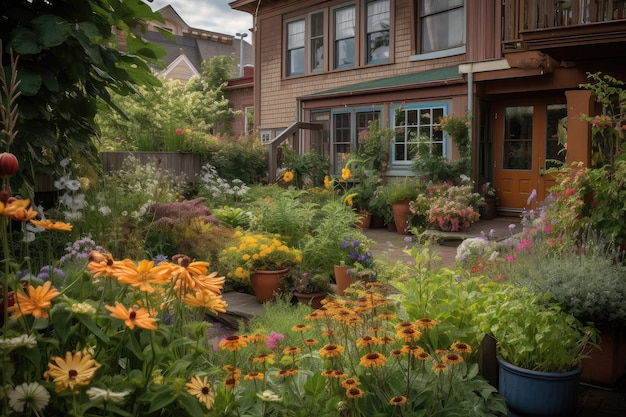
x=8 y=165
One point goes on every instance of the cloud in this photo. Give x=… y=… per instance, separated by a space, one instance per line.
x=213 y=15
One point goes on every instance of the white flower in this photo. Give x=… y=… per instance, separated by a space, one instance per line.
x=31 y=394
x=105 y=210
x=268 y=395
x=105 y=395
x=25 y=340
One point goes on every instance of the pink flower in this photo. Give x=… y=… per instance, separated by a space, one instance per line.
x=547 y=228
x=180 y=131
x=272 y=340
x=509 y=257
x=524 y=244
x=569 y=191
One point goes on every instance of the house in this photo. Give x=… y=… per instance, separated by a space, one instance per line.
x=323 y=70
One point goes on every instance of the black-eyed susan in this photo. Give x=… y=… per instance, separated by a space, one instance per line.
x=439 y=367
x=372 y=359
x=233 y=343
x=300 y=327
x=284 y=373
x=403 y=325
x=423 y=356
x=461 y=347
x=367 y=341
x=74 y=371
x=291 y=350
x=338 y=373
x=231 y=382
x=310 y=342
x=386 y=340
x=202 y=390
x=408 y=334
x=263 y=358
x=331 y=350
x=232 y=371
x=398 y=400
x=354 y=392
x=254 y=376
x=426 y=323
x=350 y=382
x=396 y=353
x=132 y=316
x=36 y=302
x=412 y=350
x=452 y=359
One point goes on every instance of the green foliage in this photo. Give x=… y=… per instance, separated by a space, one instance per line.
x=69 y=60
x=406 y=189
x=309 y=169
x=245 y=159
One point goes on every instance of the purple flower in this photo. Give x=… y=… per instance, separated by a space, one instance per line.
x=531 y=197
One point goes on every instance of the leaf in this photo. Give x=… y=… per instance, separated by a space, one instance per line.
x=52 y=30
x=161 y=398
x=191 y=405
x=24 y=42
x=93 y=327
x=30 y=82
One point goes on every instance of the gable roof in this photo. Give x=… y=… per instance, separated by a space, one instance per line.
x=396 y=82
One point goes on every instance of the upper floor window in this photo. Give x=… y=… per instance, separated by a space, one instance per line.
x=317 y=42
x=441 y=25
x=345 y=32
x=377 y=30
x=295 y=47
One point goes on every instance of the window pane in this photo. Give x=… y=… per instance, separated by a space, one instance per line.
x=317 y=42
x=555 y=151
x=378 y=46
x=344 y=52
x=377 y=15
x=344 y=23
x=443 y=31
x=414 y=129
x=295 y=34
x=518 y=138
x=296 y=61
x=435 y=6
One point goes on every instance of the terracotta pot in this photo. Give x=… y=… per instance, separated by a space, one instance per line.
x=343 y=279
x=605 y=366
x=401 y=216
x=311 y=299
x=365 y=219
x=267 y=284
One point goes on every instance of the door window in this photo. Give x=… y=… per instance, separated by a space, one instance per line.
x=517 y=149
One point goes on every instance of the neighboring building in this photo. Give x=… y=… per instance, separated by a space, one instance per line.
x=191 y=46
x=515 y=65
x=240 y=93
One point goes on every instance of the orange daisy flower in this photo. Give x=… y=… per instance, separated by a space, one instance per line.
x=36 y=302
x=14 y=206
x=439 y=367
x=300 y=327
x=233 y=343
x=207 y=300
x=265 y=357
x=461 y=347
x=73 y=371
x=142 y=275
x=132 y=317
x=426 y=323
x=254 y=376
x=452 y=359
x=398 y=400
x=50 y=225
x=350 y=382
x=408 y=334
x=310 y=342
x=101 y=264
x=354 y=392
x=331 y=351
x=372 y=360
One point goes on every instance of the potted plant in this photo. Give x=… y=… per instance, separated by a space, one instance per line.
x=488 y=210
x=540 y=350
x=355 y=256
x=260 y=259
x=380 y=207
x=399 y=195
x=310 y=288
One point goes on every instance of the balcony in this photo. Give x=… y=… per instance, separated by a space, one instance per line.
x=564 y=29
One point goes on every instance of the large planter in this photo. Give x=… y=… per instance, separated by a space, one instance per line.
x=343 y=279
x=606 y=365
x=488 y=211
x=538 y=394
x=311 y=299
x=267 y=284
x=365 y=219
x=401 y=214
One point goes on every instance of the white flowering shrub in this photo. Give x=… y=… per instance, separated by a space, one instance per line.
x=217 y=189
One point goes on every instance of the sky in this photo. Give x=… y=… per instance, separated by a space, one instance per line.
x=213 y=15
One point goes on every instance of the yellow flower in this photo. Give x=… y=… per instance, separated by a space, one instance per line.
x=327 y=182
x=399 y=400
x=288 y=176
x=132 y=317
x=331 y=351
x=202 y=389
x=233 y=343
x=75 y=370
x=372 y=359
x=207 y=300
x=345 y=174
x=354 y=392
x=461 y=347
x=254 y=376
x=35 y=303
x=142 y=275
x=452 y=359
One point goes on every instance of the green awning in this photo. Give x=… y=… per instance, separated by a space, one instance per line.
x=434 y=75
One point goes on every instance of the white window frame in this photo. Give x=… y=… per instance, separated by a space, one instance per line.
x=266 y=136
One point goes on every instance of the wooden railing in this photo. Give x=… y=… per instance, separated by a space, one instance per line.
x=527 y=15
x=290 y=132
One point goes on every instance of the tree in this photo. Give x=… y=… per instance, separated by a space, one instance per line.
x=69 y=59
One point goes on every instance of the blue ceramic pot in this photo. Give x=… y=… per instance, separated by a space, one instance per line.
x=538 y=394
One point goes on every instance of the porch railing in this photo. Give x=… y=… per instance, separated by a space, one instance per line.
x=528 y=15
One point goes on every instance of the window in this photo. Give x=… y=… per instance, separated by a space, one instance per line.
x=295 y=47
x=518 y=138
x=347 y=123
x=377 y=31
x=417 y=126
x=317 y=42
x=345 y=25
x=441 y=25
x=555 y=151
x=266 y=136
